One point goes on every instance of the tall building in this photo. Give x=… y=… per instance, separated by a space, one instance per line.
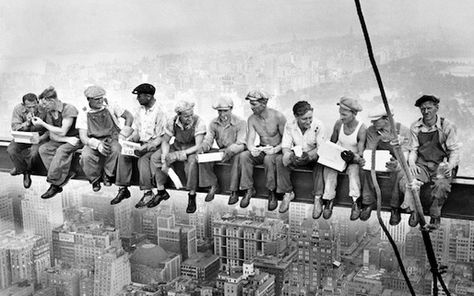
x=202 y=221
x=64 y=280
x=298 y=213
x=258 y=284
x=6 y=213
x=318 y=249
x=41 y=216
x=112 y=273
x=78 y=215
x=203 y=267
x=118 y=216
x=398 y=232
x=414 y=245
x=41 y=259
x=239 y=238
x=149 y=264
x=173 y=237
x=80 y=244
x=150 y=225
x=22 y=257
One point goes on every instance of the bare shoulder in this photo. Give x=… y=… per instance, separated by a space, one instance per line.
x=277 y=114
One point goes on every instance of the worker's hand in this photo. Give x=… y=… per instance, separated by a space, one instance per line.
x=269 y=150
x=303 y=160
x=347 y=156
x=255 y=152
x=288 y=158
x=228 y=154
x=93 y=143
x=37 y=121
x=392 y=165
x=359 y=160
x=73 y=141
x=35 y=139
x=414 y=169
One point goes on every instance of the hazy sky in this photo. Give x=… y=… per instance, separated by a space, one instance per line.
x=49 y=27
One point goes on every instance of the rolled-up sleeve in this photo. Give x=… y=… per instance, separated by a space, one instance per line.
x=210 y=136
x=452 y=143
x=160 y=124
x=17 y=118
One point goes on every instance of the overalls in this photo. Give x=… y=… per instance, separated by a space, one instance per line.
x=102 y=126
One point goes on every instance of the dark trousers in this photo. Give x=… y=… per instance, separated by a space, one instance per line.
x=24 y=156
x=124 y=171
x=368 y=189
x=191 y=169
x=57 y=158
x=207 y=177
x=247 y=162
x=283 y=174
x=93 y=163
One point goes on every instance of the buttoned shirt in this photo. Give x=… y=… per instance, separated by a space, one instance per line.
x=448 y=137
x=200 y=128
x=149 y=123
x=233 y=132
x=20 y=115
x=115 y=110
x=293 y=136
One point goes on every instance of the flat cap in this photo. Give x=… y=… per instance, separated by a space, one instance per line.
x=183 y=106
x=223 y=103
x=426 y=98
x=350 y=104
x=50 y=92
x=144 y=88
x=256 y=95
x=94 y=92
x=378 y=112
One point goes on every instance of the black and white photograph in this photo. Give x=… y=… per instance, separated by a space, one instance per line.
x=236 y=148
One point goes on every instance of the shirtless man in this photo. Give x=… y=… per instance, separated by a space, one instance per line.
x=269 y=125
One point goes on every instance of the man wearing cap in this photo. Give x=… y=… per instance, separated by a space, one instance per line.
x=148 y=124
x=25 y=157
x=230 y=134
x=269 y=125
x=99 y=131
x=58 y=152
x=349 y=133
x=379 y=136
x=433 y=157
x=300 y=150
x=188 y=131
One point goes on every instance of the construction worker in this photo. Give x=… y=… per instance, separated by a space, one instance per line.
x=99 y=132
x=269 y=125
x=379 y=137
x=349 y=133
x=25 y=157
x=57 y=153
x=434 y=157
x=148 y=128
x=300 y=150
x=230 y=134
x=188 y=131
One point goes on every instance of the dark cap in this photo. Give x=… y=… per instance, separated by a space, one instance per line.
x=426 y=98
x=144 y=88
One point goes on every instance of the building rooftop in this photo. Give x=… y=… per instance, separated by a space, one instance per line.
x=151 y=255
x=201 y=260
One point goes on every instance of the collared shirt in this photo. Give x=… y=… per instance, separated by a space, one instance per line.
x=114 y=109
x=149 y=123
x=62 y=111
x=200 y=128
x=373 y=137
x=293 y=136
x=19 y=116
x=234 y=132
x=448 y=137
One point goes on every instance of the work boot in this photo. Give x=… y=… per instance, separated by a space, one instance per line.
x=146 y=198
x=191 y=203
x=327 y=212
x=96 y=185
x=26 y=180
x=246 y=200
x=233 y=198
x=272 y=201
x=107 y=181
x=162 y=195
x=355 y=211
x=395 y=216
x=122 y=194
x=318 y=207
x=52 y=191
x=366 y=211
x=212 y=192
x=413 y=220
x=15 y=172
x=285 y=203
x=434 y=223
